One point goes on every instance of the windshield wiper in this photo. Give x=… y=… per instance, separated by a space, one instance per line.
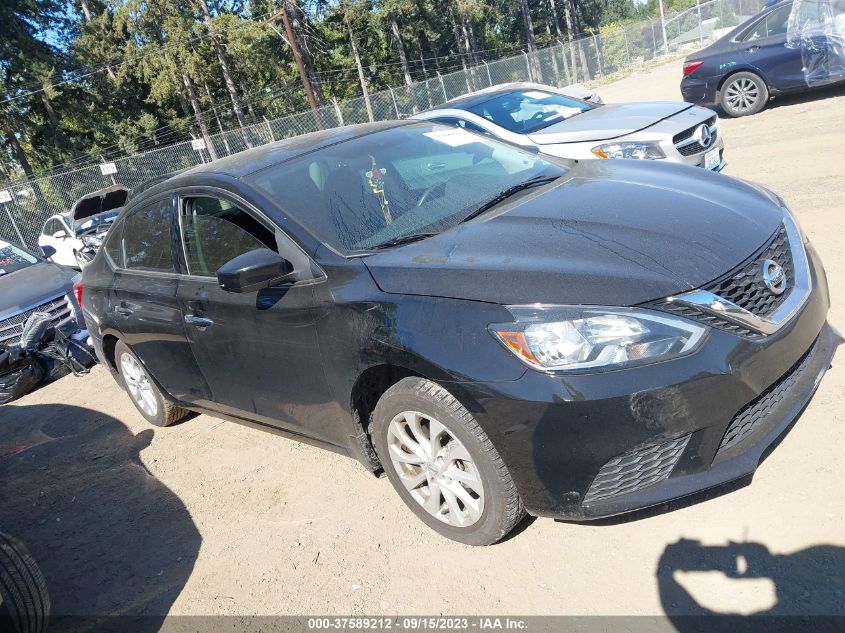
x=402 y=239
x=507 y=193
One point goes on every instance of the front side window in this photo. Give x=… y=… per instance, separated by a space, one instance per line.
x=775 y=23
x=215 y=231
x=147 y=238
x=526 y=111
x=420 y=178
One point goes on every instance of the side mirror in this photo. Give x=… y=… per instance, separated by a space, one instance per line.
x=253 y=271
x=48 y=251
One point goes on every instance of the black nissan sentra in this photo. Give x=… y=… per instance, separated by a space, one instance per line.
x=500 y=333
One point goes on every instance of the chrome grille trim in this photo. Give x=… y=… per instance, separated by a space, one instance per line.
x=687 y=144
x=726 y=310
x=59 y=308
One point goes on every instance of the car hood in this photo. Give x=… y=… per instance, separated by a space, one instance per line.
x=608 y=122
x=32 y=286
x=608 y=233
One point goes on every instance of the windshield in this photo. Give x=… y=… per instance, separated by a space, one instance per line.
x=527 y=111
x=383 y=187
x=93 y=222
x=13 y=258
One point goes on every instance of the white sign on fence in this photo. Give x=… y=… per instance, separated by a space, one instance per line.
x=198 y=144
x=108 y=168
x=5 y=196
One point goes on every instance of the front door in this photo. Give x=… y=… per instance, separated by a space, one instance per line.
x=145 y=306
x=764 y=47
x=258 y=350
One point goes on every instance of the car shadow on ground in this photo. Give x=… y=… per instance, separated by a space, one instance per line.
x=110 y=538
x=807 y=583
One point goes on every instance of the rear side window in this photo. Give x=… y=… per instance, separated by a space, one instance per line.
x=215 y=231
x=113 y=243
x=147 y=238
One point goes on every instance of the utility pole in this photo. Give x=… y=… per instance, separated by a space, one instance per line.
x=663 y=28
x=309 y=92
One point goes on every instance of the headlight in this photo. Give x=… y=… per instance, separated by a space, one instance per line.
x=643 y=151
x=551 y=337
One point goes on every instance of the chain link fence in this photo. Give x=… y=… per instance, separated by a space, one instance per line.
x=26 y=205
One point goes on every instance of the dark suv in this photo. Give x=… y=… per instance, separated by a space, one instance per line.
x=499 y=332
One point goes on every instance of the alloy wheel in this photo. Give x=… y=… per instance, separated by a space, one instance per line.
x=435 y=468
x=138 y=384
x=742 y=94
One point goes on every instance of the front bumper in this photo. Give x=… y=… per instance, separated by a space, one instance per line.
x=582 y=446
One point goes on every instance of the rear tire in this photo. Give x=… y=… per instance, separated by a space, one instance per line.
x=143 y=390
x=743 y=94
x=24 y=599
x=443 y=465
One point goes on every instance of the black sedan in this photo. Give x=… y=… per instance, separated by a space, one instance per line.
x=501 y=333
x=784 y=49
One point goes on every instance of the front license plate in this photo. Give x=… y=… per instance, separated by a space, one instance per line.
x=711 y=159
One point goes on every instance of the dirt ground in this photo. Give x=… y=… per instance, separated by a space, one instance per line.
x=210 y=517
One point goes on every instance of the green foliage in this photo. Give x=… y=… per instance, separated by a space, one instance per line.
x=112 y=80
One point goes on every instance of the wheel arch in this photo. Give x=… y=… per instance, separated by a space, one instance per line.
x=742 y=69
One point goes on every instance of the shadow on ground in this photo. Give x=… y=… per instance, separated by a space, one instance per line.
x=809 y=582
x=109 y=537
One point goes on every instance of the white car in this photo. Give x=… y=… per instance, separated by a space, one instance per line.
x=77 y=234
x=58 y=234
x=555 y=122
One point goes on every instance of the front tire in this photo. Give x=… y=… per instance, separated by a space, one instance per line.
x=443 y=465
x=744 y=94
x=143 y=390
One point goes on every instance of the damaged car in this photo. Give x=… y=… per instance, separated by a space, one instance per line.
x=77 y=235
x=497 y=331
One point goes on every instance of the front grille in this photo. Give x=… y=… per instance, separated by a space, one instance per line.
x=12 y=327
x=695 y=148
x=755 y=413
x=744 y=286
x=636 y=470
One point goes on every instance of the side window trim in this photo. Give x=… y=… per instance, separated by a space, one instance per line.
x=283 y=239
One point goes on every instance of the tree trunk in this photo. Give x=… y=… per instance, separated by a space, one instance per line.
x=249 y=109
x=297 y=18
x=462 y=52
x=361 y=76
x=195 y=104
x=224 y=68
x=568 y=9
x=555 y=67
x=51 y=111
x=86 y=10
x=20 y=155
x=400 y=48
x=536 y=75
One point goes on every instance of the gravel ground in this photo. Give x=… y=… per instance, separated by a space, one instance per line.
x=209 y=517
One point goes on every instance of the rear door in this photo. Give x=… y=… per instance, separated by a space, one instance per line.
x=145 y=302
x=257 y=350
x=763 y=46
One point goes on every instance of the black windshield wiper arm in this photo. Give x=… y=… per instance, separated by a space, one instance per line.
x=507 y=193
x=402 y=239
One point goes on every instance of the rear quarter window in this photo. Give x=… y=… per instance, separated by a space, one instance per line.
x=113 y=244
x=148 y=238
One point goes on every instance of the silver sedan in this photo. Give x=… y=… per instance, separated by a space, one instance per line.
x=557 y=123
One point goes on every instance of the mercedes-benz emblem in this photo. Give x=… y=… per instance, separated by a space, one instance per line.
x=704 y=135
x=774 y=276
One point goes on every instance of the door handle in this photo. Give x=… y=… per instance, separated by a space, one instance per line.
x=434 y=166
x=198 y=321
x=752 y=49
x=123 y=310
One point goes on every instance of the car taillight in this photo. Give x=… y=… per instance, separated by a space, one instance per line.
x=691 y=66
x=77 y=292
